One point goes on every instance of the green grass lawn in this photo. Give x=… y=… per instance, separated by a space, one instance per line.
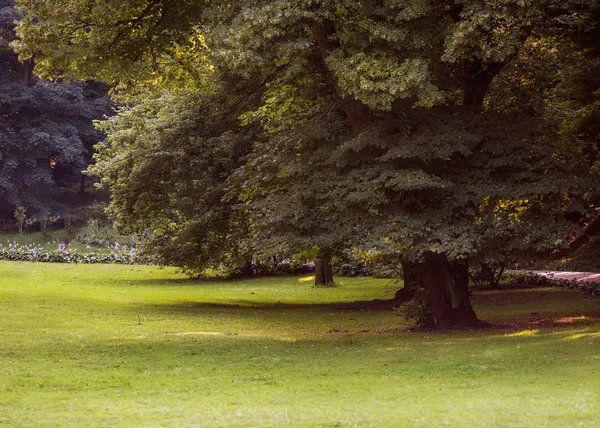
x=113 y=345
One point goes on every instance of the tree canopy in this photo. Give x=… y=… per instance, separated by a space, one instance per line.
x=432 y=125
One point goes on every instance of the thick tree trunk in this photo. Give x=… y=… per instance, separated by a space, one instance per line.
x=477 y=82
x=447 y=287
x=437 y=280
x=323 y=272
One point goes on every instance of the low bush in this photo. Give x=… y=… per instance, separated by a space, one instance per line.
x=417 y=310
x=487 y=273
x=357 y=262
x=530 y=278
x=34 y=253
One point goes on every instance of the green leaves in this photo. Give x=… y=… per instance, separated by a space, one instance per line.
x=168 y=162
x=378 y=81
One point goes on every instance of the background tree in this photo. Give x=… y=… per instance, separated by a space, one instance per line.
x=46 y=130
x=167 y=162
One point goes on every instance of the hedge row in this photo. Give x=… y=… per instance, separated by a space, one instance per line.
x=590 y=287
x=55 y=256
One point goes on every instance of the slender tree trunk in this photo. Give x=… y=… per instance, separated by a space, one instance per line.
x=579 y=242
x=323 y=272
x=477 y=81
x=411 y=282
x=82 y=184
x=27 y=71
x=446 y=284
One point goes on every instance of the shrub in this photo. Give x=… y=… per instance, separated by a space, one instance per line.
x=530 y=278
x=33 y=253
x=487 y=273
x=417 y=309
x=46 y=221
x=350 y=265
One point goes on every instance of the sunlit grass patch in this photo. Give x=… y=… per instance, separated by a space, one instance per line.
x=586 y=335
x=524 y=333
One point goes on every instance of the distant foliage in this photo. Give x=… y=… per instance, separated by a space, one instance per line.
x=348 y=264
x=380 y=264
x=46 y=129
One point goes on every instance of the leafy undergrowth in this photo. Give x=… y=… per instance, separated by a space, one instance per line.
x=524 y=279
x=114 y=345
x=585 y=259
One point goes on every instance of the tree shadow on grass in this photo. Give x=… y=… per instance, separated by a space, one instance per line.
x=525 y=317
x=538 y=308
x=363 y=305
x=277 y=279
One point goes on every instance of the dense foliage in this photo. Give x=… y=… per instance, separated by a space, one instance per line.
x=282 y=126
x=171 y=160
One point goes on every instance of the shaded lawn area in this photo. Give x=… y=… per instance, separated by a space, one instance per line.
x=113 y=345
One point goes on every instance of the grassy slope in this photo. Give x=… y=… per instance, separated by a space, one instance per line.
x=275 y=352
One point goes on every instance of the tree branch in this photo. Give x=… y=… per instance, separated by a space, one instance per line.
x=356 y=112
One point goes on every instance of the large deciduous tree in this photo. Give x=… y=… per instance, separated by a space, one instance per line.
x=369 y=121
